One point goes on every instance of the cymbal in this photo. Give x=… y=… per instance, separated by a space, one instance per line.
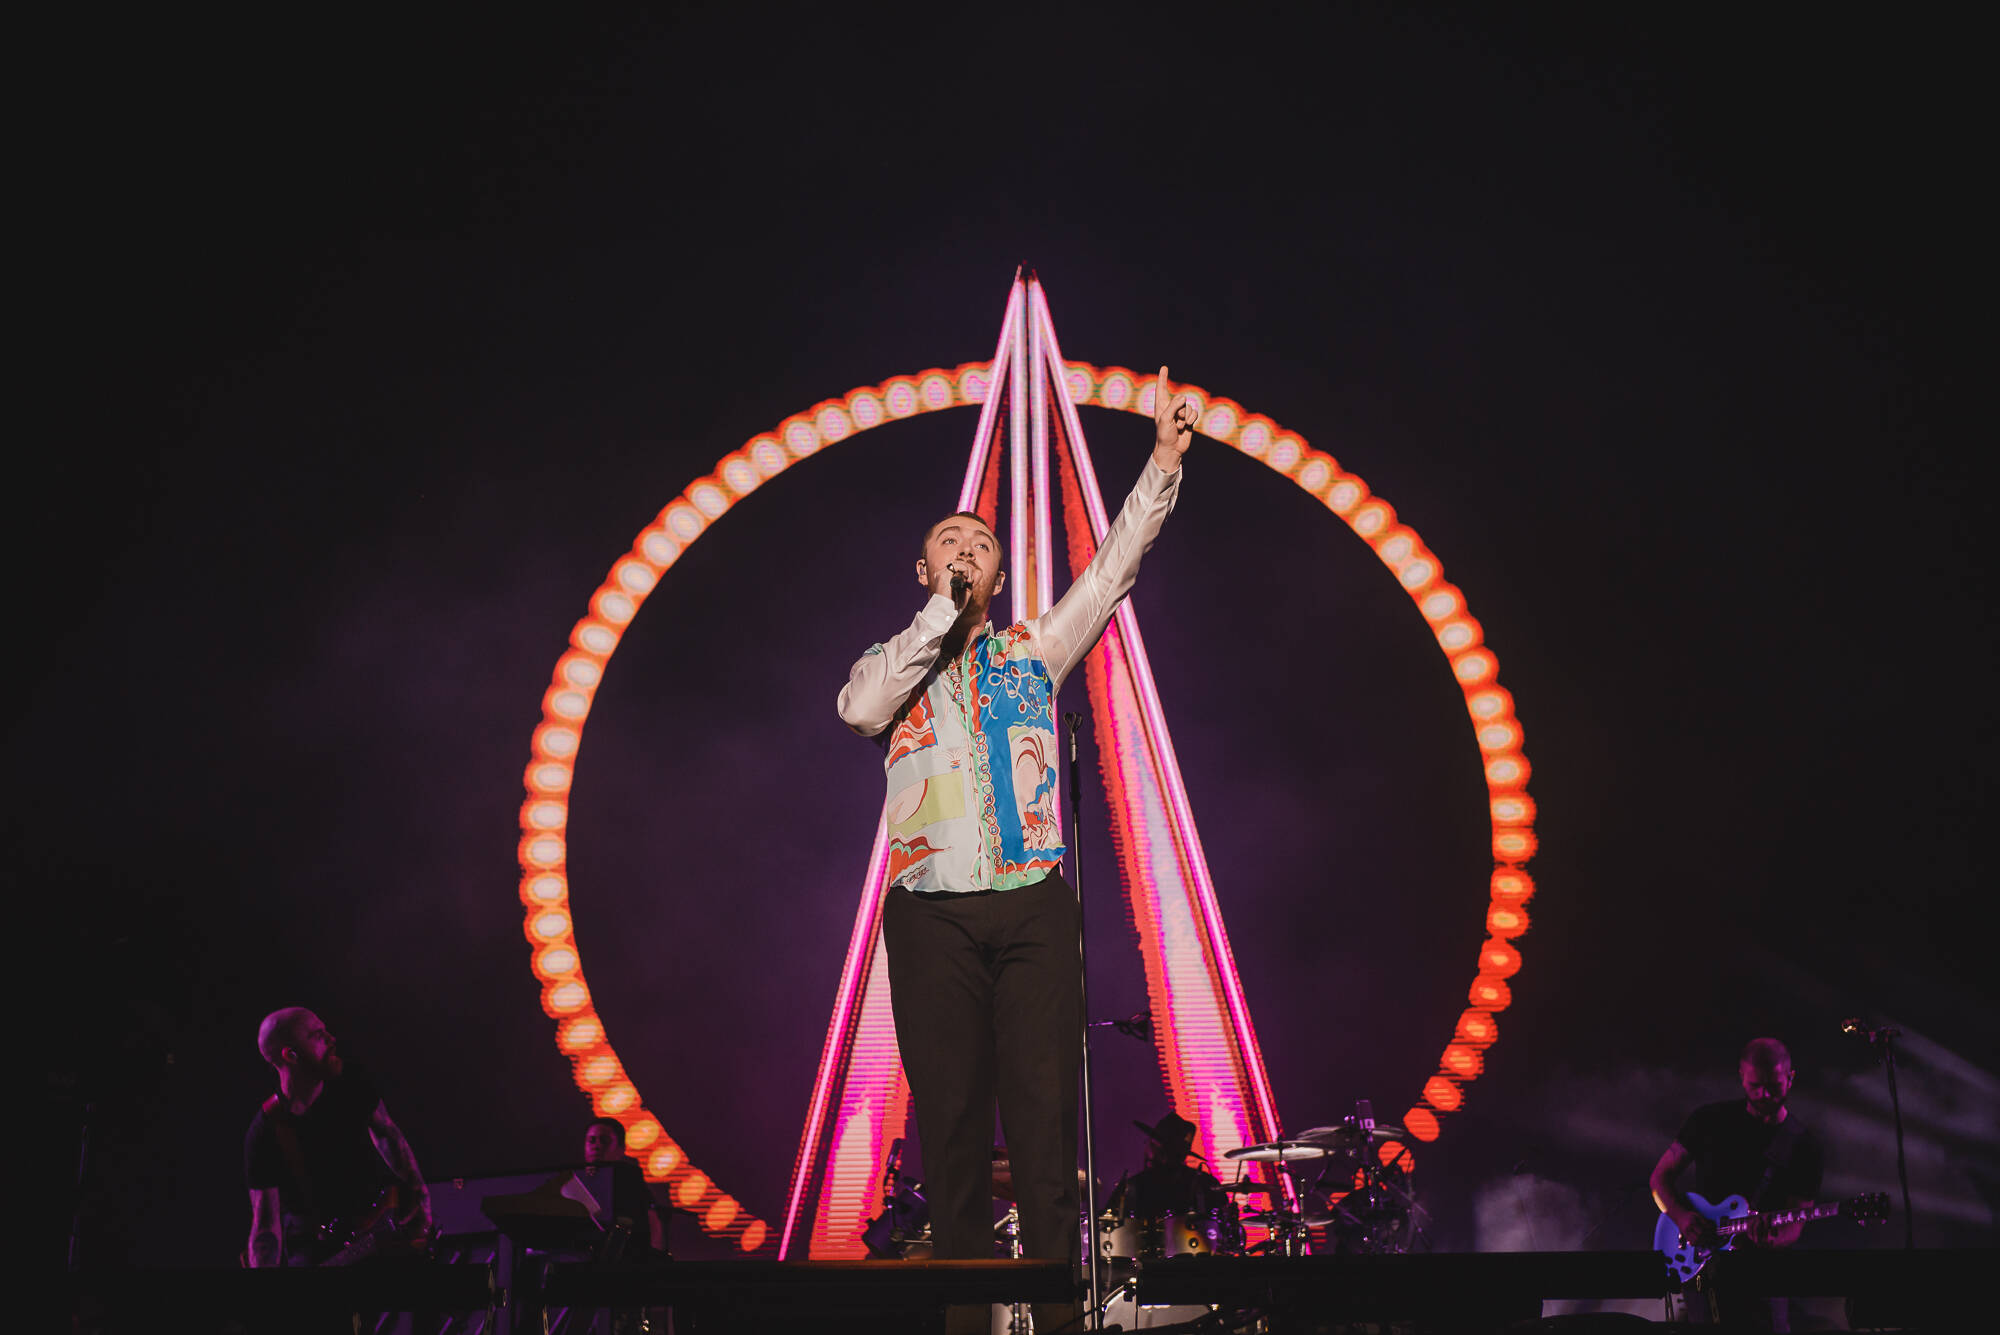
x=1348 y=1135
x=1246 y=1188
x=1276 y=1151
x=1345 y=1136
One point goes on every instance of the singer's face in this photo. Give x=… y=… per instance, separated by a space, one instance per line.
x=968 y=546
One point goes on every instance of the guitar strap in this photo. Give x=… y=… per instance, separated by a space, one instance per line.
x=1776 y=1157
x=287 y=1132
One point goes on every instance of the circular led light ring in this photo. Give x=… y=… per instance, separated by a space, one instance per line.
x=543 y=850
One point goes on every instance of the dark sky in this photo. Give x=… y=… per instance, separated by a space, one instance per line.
x=376 y=345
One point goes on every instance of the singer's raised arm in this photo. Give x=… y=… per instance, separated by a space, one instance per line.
x=882 y=679
x=1069 y=629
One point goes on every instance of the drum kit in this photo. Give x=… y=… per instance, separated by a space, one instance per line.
x=1330 y=1191
x=1335 y=1191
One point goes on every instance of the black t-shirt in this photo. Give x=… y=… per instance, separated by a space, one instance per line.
x=342 y=1173
x=632 y=1199
x=1730 y=1147
x=1153 y=1192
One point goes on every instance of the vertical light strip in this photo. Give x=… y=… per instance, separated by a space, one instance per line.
x=1174 y=789
x=874 y=1103
x=1017 y=459
x=975 y=468
x=1086 y=476
x=1037 y=370
x=860 y=953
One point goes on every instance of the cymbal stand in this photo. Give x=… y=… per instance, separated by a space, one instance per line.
x=1019 y=1322
x=1291 y=1211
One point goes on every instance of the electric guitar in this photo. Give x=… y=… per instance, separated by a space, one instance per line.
x=1734 y=1217
x=385 y=1228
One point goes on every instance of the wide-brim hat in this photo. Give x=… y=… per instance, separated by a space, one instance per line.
x=1173 y=1129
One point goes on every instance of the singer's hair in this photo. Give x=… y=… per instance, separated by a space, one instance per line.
x=925 y=549
x=617 y=1128
x=1765 y=1054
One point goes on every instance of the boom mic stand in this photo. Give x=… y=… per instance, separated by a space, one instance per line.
x=1072 y=722
x=1883 y=1042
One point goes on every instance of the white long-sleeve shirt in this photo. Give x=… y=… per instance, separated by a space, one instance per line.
x=971 y=746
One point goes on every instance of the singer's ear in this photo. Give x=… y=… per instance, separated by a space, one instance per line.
x=923 y=572
x=999 y=580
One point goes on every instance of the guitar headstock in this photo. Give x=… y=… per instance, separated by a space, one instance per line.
x=1873 y=1208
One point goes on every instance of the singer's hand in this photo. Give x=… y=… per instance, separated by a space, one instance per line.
x=1173 y=425
x=939 y=577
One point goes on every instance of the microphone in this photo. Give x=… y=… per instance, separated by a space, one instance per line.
x=960 y=586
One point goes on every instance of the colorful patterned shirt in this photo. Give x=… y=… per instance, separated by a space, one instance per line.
x=970 y=744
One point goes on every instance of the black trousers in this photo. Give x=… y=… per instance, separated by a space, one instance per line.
x=988 y=996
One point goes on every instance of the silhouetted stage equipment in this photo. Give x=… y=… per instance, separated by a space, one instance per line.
x=1311 y=1294
x=560 y=1213
x=763 y=1295
x=280 y=1299
x=1442 y=1291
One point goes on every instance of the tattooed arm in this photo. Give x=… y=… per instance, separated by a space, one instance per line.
x=267 y=1243
x=402 y=1160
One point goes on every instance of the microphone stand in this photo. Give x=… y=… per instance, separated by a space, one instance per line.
x=1882 y=1042
x=1886 y=1039
x=1071 y=722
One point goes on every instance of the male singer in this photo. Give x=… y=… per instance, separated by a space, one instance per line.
x=981 y=929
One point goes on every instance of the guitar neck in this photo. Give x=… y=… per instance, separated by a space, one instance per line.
x=1749 y=1221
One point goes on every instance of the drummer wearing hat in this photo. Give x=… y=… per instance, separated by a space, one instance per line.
x=1168 y=1184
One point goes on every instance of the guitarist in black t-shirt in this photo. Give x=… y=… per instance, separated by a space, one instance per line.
x=1751 y=1147
x=323 y=1160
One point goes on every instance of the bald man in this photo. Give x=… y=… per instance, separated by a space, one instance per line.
x=1753 y=1147
x=321 y=1150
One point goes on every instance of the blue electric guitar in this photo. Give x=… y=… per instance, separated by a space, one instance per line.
x=1734 y=1217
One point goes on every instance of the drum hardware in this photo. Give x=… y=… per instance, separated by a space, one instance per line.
x=1362 y=1201
x=1369 y=1209
x=1019 y=1320
x=1284 y=1218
